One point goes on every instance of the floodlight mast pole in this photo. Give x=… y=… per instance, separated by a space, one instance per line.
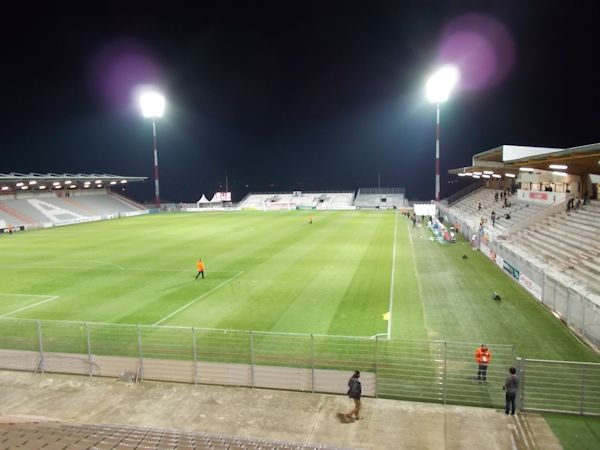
x=156 y=184
x=437 y=153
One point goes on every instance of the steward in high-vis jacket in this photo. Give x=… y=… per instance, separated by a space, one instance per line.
x=483 y=357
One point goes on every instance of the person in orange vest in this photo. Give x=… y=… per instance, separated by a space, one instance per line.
x=200 y=267
x=483 y=357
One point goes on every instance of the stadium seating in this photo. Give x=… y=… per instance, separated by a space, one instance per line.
x=380 y=198
x=51 y=209
x=567 y=241
x=56 y=435
x=302 y=200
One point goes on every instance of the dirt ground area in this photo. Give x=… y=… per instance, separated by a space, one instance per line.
x=296 y=417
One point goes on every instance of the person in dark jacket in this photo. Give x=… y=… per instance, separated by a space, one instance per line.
x=511 y=385
x=354 y=392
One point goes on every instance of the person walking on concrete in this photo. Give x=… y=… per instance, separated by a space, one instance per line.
x=354 y=392
x=483 y=357
x=511 y=385
x=200 y=267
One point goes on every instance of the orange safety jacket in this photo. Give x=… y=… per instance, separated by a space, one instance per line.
x=483 y=356
x=200 y=266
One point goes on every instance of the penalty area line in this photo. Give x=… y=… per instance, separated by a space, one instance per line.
x=30 y=306
x=196 y=299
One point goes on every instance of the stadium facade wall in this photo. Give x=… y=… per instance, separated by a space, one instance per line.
x=430 y=371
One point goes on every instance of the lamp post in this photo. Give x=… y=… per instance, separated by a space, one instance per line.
x=153 y=106
x=438 y=90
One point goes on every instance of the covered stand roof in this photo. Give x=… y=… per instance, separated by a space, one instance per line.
x=582 y=160
x=38 y=181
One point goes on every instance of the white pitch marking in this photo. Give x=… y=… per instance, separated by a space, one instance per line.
x=196 y=299
x=30 y=306
x=389 y=330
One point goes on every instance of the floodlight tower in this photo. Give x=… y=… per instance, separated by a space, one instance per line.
x=438 y=90
x=153 y=106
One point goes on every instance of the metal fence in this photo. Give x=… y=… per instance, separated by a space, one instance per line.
x=431 y=371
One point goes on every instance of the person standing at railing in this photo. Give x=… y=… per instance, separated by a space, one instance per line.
x=483 y=357
x=511 y=386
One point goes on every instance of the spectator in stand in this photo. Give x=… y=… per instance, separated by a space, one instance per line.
x=483 y=357
x=578 y=203
x=496 y=197
x=493 y=217
x=479 y=206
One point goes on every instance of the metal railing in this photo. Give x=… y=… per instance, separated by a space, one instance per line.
x=431 y=371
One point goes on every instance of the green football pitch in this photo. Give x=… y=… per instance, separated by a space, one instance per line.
x=276 y=272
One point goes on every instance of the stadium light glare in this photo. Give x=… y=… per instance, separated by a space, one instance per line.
x=485 y=175
x=123 y=181
x=437 y=90
x=5 y=188
x=68 y=182
x=560 y=174
x=19 y=184
x=153 y=107
x=32 y=182
x=24 y=187
x=98 y=181
x=488 y=172
x=42 y=186
x=462 y=174
x=510 y=175
x=56 y=183
x=526 y=169
x=86 y=186
x=73 y=186
x=476 y=176
x=476 y=173
x=113 y=182
x=558 y=166
x=468 y=174
x=496 y=175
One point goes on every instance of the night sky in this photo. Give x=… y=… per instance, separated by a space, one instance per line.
x=282 y=95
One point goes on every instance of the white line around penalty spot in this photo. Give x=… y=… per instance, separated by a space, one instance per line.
x=30 y=306
x=196 y=299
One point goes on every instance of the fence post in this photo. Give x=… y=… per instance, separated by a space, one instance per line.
x=141 y=368
x=582 y=390
x=195 y=355
x=89 y=348
x=312 y=362
x=521 y=392
x=445 y=370
x=252 y=356
x=377 y=366
x=40 y=366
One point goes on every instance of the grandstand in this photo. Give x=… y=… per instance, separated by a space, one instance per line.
x=381 y=198
x=38 y=200
x=298 y=200
x=546 y=224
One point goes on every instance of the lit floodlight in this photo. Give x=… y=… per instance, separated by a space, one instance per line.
x=68 y=182
x=560 y=174
x=488 y=172
x=56 y=183
x=123 y=181
x=152 y=104
x=558 y=166
x=98 y=181
x=462 y=174
x=73 y=186
x=476 y=173
x=19 y=184
x=113 y=182
x=526 y=169
x=86 y=186
x=42 y=186
x=468 y=174
x=5 y=188
x=24 y=187
x=510 y=175
x=32 y=182
x=485 y=176
x=441 y=83
x=476 y=176
x=496 y=175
